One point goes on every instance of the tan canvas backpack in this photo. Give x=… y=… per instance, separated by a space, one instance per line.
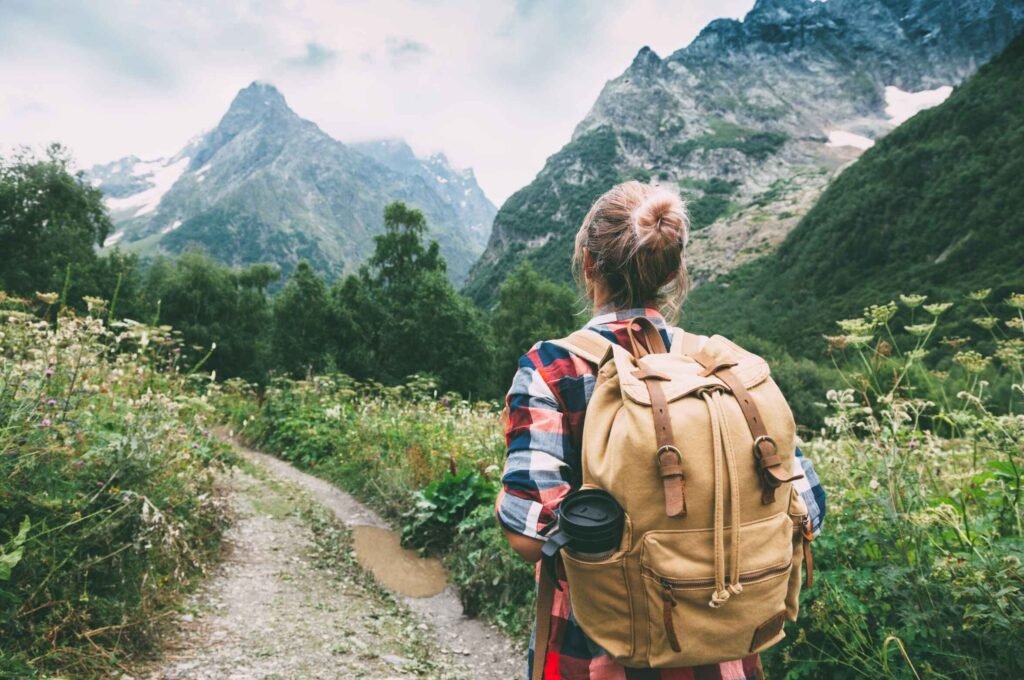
x=697 y=446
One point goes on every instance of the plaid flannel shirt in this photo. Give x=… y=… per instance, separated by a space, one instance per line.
x=546 y=403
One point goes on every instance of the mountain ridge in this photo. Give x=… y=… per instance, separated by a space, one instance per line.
x=934 y=209
x=762 y=111
x=265 y=185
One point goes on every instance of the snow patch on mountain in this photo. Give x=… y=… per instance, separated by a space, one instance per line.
x=201 y=172
x=844 y=138
x=901 y=106
x=161 y=176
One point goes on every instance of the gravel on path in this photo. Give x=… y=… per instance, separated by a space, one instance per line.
x=291 y=601
x=493 y=655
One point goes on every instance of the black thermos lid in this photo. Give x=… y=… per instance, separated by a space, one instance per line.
x=593 y=519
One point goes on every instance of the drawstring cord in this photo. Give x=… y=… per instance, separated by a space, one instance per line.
x=735 y=587
x=723 y=452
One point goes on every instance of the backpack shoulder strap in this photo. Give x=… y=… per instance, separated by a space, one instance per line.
x=586 y=344
x=686 y=344
x=542 y=628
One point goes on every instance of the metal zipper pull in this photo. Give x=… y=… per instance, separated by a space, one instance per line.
x=668 y=600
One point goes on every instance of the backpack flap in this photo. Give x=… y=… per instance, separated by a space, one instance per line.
x=686 y=375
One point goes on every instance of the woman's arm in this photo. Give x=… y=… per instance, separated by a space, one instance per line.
x=536 y=477
x=811 y=491
x=528 y=548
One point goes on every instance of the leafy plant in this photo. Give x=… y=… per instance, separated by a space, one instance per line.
x=12 y=552
x=442 y=506
x=920 y=563
x=494 y=582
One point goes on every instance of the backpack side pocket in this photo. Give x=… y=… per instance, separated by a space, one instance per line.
x=801 y=548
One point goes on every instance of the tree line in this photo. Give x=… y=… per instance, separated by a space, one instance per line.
x=396 y=316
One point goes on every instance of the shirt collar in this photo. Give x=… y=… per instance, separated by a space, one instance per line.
x=607 y=317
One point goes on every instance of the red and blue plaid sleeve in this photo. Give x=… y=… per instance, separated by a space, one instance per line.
x=811 y=490
x=537 y=476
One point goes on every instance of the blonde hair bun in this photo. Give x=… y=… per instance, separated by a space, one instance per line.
x=660 y=220
x=632 y=241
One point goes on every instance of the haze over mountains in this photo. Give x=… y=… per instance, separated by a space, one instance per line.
x=752 y=120
x=268 y=186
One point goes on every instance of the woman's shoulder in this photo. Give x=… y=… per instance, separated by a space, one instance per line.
x=553 y=365
x=546 y=354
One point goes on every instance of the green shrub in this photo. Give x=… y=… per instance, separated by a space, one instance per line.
x=920 y=561
x=384 y=444
x=708 y=208
x=441 y=506
x=108 y=508
x=494 y=582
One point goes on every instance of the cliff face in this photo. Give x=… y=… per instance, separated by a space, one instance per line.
x=750 y=120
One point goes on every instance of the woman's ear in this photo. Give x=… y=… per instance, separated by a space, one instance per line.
x=588 y=264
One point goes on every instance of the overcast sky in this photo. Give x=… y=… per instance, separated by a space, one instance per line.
x=498 y=86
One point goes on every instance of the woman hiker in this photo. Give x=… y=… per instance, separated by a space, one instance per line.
x=629 y=258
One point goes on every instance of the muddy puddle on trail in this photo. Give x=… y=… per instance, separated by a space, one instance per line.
x=397 y=569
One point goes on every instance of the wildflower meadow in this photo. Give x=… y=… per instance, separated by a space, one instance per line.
x=108 y=499
x=919 y=569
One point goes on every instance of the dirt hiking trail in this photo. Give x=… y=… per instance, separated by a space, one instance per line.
x=311 y=586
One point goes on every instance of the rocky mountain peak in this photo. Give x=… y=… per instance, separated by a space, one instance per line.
x=750 y=120
x=266 y=185
x=782 y=7
x=257 y=98
x=645 y=59
x=256 y=104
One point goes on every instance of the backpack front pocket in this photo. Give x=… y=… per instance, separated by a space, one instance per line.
x=601 y=602
x=678 y=568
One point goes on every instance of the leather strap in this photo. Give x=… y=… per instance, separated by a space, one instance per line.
x=542 y=630
x=670 y=459
x=668 y=604
x=769 y=464
x=711 y=364
x=654 y=344
x=806 y=536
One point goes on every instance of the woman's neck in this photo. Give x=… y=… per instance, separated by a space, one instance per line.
x=600 y=298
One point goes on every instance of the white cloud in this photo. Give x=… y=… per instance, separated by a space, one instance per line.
x=498 y=86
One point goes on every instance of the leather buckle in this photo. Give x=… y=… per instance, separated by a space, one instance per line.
x=757 y=446
x=668 y=447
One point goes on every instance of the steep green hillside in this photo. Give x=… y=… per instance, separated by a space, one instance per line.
x=936 y=207
x=538 y=212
